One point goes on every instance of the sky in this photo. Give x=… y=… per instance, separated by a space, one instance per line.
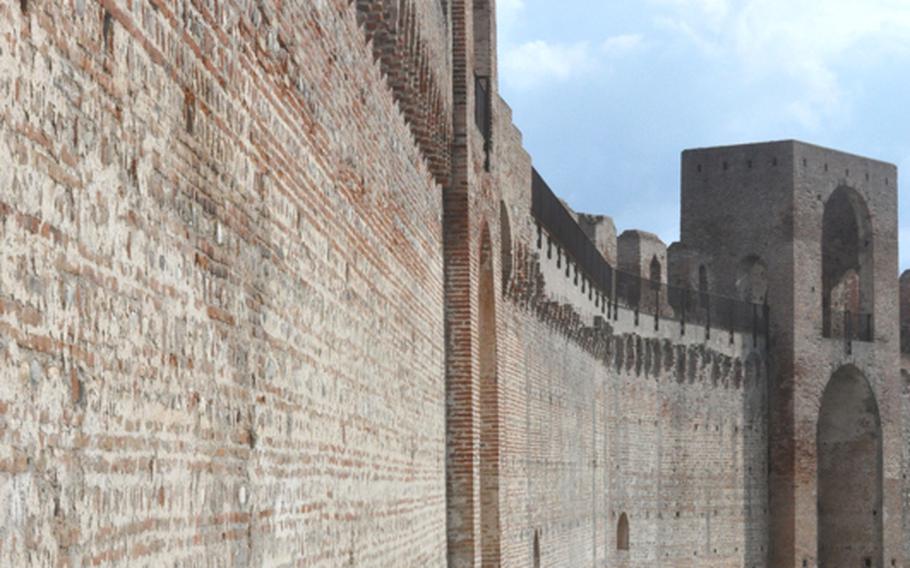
x=607 y=93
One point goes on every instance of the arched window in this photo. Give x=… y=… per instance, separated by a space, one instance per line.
x=847 y=283
x=622 y=533
x=536 y=551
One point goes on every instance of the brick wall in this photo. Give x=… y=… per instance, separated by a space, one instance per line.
x=604 y=417
x=221 y=291
x=266 y=300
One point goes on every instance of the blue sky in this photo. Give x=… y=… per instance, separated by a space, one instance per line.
x=608 y=93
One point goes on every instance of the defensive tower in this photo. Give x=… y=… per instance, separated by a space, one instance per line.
x=813 y=232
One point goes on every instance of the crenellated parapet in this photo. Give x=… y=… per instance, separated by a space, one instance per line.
x=688 y=268
x=602 y=232
x=642 y=254
x=649 y=284
x=408 y=40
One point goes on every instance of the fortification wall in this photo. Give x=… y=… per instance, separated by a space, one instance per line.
x=221 y=290
x=238 y=320
x=603 y=416
x=668 y=429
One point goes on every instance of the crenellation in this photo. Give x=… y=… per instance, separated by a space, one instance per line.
x=602 y=232
x=642 y=254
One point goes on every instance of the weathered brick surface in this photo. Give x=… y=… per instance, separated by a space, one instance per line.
x=268 y=297
x=221 y=280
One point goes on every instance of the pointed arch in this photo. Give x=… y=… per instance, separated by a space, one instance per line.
x=622 y=532
x=849 y=472
x=656 y=272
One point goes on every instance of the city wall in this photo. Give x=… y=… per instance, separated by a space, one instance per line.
x=273 y=292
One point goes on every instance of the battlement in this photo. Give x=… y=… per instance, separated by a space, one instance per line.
x=639 y=285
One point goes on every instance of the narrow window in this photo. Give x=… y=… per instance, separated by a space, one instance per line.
x=622 y=533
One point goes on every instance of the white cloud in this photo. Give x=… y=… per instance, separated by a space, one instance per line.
x=537 y=62
x=507 y=11
x=797 y=41
x=620 y=44
x=508 y=15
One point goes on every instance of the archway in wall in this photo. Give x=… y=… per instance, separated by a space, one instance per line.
x=849 y=445
x=489 y=408
x=622 y=533
x=847 y=246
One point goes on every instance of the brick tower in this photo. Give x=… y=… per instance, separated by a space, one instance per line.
x=814 y=233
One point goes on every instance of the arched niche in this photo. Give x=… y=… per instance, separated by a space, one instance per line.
x=847 y=255
x=622 y=532
x=849 y=474
x=489 y=406
x=752 y=280
x=655 y=272
x=505 y=243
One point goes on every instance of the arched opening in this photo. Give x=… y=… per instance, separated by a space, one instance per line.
x=849 y=445
x=752 y=280
x=655 y=273
x=505 y=243
x=847 y=283
x=536 y=551
x=489 y=408
x=622 y=533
